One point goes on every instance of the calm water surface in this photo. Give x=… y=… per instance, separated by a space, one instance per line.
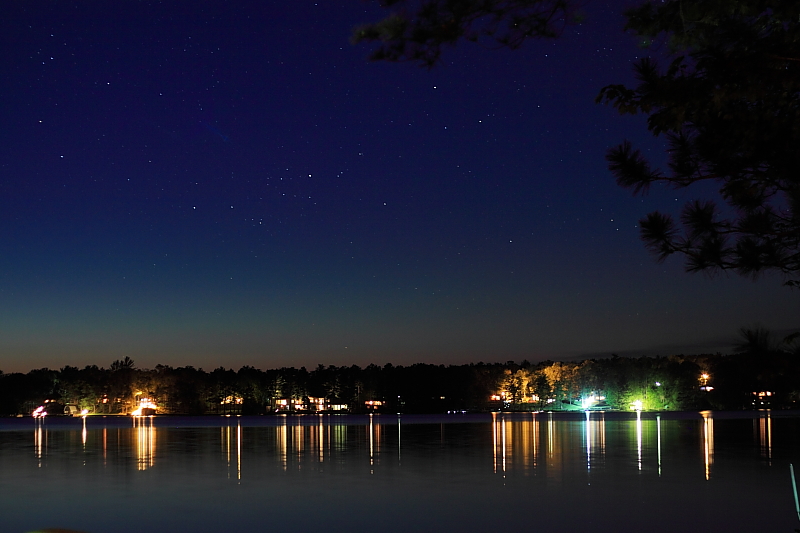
x=612 y=472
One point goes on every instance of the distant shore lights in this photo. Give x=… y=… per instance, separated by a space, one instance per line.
x=147 y=407
x=704 y=386
x=591 y=400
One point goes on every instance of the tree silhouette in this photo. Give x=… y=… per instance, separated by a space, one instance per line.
x=417 y=30
x=756 y=340
x=123 y=364
x=729 y=106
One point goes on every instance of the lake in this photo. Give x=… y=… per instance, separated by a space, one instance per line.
x=561 y=472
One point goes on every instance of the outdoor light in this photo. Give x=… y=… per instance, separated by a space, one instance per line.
x=587 y=402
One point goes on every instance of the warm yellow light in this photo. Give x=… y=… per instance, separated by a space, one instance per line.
x=232 y=399
x=145 y=403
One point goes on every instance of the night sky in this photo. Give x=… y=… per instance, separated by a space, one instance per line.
x=232 y=183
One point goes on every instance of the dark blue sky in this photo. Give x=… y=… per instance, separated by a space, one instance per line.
x=216 y=183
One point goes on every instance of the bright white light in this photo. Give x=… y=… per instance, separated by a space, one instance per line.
x=588 y=402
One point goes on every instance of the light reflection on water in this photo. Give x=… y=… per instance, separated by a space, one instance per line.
x=407 y=472
x=765 y=434
x=708 y=441
x=145 y=434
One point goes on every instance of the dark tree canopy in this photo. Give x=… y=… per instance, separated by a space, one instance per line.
x=727 y=103
x=417 y=30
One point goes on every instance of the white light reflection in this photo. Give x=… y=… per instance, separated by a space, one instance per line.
x=83 y=434
x=658 y=438
x=588 y=431
x=226 y=439
x=39 y=440
x=399 y=457
x=371 y=443
x=239 y=450
x=598 y=432
x=504 y=445
x=708 y=441
x=639 y=437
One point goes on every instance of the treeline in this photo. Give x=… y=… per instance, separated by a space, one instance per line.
x=751 y=379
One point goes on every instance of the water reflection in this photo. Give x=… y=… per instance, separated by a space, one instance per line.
x=595 y=429
x=374 y=436
x=239 y=450
x=708 y=441
x=658 y=440
x=459 y=466
x=639 y=438
x=588 y=444
x=519 y=441
x=145 y=441
x=321 y=438
x=764 y=423
x=499 y=442
x=530 y=440
x=399 y=456
x=39 y=440
x=546 y=444
x=543 y=441
x=217 y=473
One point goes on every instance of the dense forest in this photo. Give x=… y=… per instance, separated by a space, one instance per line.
x=757 y=377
